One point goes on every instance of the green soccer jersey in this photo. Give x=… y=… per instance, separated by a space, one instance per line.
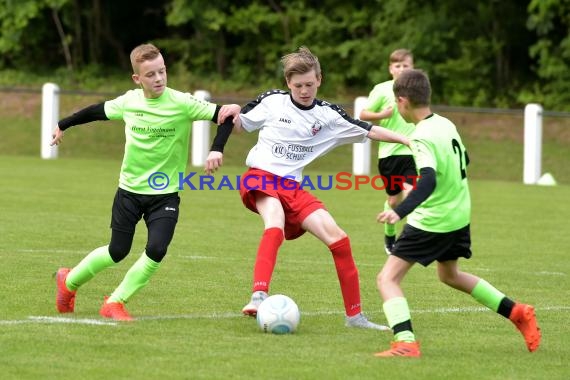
x=436 y=144
x=157 y=133
x=380 y=98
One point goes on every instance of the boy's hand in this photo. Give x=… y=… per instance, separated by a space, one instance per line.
x=226 y=110
x=213 y=162
x=385 y=113
x=57 y=136
x=388 y=216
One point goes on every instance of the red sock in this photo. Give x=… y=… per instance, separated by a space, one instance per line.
x=347 y=275
x=266 y=257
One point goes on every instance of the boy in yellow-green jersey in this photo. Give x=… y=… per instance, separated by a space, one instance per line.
x=438 y=214
x=395 y=161
x=158 y=121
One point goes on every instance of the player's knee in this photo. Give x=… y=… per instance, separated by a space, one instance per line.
x=119 y=250
x=120 y=244
x=156 y=251
x=337 y=234
x=381 y=280
x=447 y=279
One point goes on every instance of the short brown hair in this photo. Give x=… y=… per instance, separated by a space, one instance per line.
x=413 y=85
x=144 y=52
x=300 y=62
x=400 y=54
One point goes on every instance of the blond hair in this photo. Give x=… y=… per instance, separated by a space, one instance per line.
x=142 y=53
x=300 y=62
x=400 y=54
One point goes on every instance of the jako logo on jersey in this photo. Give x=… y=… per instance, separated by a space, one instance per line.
x=170 y=209
x=283 y=120
x=316 y=127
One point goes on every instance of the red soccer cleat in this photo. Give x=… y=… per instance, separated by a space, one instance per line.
x=115 y=310
x=406 y=349
x=65 y=298
x=524 y=318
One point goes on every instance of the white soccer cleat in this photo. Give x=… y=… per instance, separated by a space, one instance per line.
x=360 y=321
x=256 y=299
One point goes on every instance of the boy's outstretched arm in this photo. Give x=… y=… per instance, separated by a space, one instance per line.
x=384 y=134
x=91 y=113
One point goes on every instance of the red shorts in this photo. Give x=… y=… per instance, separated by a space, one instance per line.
x=297 y=203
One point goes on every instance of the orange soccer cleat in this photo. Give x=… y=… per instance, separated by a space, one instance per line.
x=407 y=349
x=65 y=298
x=115 y=310
x=524 y=318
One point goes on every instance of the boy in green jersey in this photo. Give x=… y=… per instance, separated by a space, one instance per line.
x=158 y=121
x=437 y=228
x=395 y=161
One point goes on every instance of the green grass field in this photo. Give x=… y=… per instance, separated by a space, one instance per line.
x=189 y=324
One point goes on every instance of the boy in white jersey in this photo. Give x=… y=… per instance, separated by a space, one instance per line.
x=157 y=120
x=295 y=128
x=439 y=212
x=394 y=160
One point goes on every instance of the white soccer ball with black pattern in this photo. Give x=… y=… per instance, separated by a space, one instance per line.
x=278 y=314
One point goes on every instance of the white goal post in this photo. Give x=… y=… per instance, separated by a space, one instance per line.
x=532 y=144
x=50 y=117
x=360 y=151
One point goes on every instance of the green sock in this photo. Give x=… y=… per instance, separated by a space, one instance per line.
x=397 y=311
x=136 y=278
x=93 y=263
x=389 y=229
x=487 y=295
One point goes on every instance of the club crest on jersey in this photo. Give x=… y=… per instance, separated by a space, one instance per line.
x=316 y=127
x=279 y=150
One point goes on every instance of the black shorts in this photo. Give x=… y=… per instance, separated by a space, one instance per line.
x=415 y=245
x=396 y=170
x=129 y=208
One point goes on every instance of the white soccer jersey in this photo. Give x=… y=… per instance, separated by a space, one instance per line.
x=291 y=135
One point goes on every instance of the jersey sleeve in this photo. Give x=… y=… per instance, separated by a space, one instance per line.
x=199 y=109
x=114 y=108
x=254 y=114
x=348 y=130
x=423 y=154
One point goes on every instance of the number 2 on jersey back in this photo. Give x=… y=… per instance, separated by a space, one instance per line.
x=462 y=163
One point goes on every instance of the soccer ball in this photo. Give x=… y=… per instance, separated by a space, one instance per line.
x=278 y=314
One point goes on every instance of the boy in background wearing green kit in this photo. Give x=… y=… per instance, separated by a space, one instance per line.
x=158 y=121
x=438 y=214
x=395 y=161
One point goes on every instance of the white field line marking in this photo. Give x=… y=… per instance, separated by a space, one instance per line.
x=46 y=251
x=87 y=321
x=51 y=320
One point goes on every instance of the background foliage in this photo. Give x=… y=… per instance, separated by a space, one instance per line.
x=485 y=54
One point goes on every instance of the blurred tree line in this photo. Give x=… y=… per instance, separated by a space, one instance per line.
x=479 y=53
